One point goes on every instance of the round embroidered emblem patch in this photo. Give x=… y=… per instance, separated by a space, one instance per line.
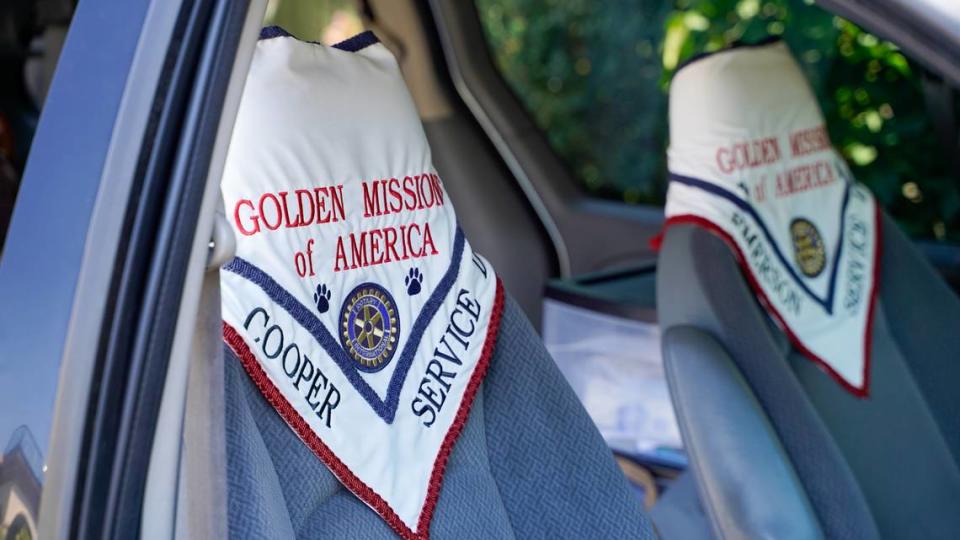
x=808 y=250
x=369 y=326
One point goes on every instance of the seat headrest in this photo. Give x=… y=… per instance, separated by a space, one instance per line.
x=355 y=303
x=750 y=159
x=750 y=93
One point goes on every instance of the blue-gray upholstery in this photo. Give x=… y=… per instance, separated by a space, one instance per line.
x=882 y=466
x=679 y=514
x=719 y=415
x=529 y=464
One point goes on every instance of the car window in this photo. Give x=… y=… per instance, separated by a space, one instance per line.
x=594 y=76
x=31 y=36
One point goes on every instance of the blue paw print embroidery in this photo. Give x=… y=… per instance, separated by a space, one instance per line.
x=322 y=298
x=413 y=280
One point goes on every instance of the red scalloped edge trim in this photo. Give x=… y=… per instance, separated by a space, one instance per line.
x=337 y=467
x=862 y=391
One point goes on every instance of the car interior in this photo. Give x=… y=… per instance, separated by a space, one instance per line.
x=640 y=384
x=709 y=343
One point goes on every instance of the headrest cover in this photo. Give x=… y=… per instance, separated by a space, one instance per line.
x=355 y=303
x=750 y=159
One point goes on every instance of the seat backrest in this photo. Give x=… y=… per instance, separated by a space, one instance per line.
x=528 y=464
x=885 y=464
x=378 y=380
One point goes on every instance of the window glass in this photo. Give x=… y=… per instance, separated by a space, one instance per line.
x=32 y=33
x=595 y=75
x=31 y=36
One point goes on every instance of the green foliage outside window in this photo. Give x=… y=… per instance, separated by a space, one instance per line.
x=595 y=76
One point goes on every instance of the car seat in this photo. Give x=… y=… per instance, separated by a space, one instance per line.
x=778 y=448
x=528 y=462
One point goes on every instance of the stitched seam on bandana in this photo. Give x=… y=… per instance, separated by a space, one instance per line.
x=864 y=390
x=826 y=304
x=737 y=45
x=357 y=42
x=343 y=473
x=351 y=44
x=385 y=409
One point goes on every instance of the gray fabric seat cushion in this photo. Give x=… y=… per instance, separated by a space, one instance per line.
x=679 y=514
x=888 y=463
x=529 y=463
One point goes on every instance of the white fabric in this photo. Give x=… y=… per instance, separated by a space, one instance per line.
x=749 y=155
x=316 y=117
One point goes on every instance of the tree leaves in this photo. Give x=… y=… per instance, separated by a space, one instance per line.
x=594 y=76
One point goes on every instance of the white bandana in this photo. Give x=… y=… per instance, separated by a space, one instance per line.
x=355 y=303
x=750 y=159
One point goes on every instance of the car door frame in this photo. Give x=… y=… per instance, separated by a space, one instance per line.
x=109 y=213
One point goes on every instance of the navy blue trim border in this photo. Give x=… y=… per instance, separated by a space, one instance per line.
x=352 y=44
x=769 y=40
x=270 y=32
x=385 y=409
x=357 y=42
x=826 y=303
